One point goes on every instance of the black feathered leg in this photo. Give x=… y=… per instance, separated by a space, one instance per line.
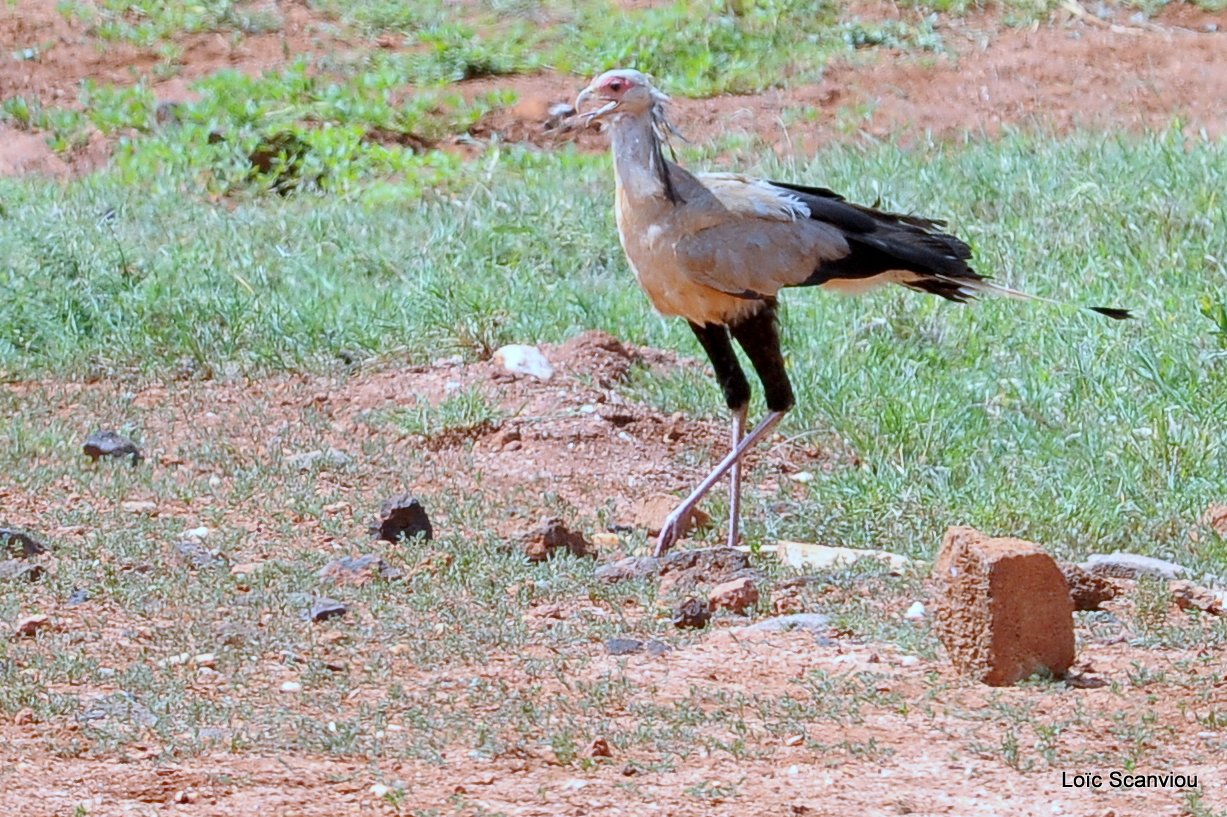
x=715 y=341
x=759 y=336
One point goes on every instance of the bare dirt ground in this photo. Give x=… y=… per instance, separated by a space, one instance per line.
x=923 y=741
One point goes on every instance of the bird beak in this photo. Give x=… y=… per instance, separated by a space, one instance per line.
x=596 y=112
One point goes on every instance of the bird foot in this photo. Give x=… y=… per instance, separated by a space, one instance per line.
x=672 y=530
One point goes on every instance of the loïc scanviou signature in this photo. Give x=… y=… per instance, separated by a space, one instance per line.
x=1126 y=780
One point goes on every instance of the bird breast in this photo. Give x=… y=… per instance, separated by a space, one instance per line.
x=649 y=239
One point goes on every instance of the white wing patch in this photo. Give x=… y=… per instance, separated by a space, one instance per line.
x=754 y=197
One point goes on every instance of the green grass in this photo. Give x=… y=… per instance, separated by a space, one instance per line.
x=1017 y=418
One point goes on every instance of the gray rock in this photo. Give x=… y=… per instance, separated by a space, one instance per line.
x=20 y=543
x=197 y=555
x=657 y=648
x=327 y=458
x=402 y=517
x=118 y=705
x=624 y=646
x=1130 y=566
x=691 y=614
x=323 y=608
x=359 y=570
x=16 y=570
x=704 y=565
x=814 y=622
x=79 y=596
x=111 y=444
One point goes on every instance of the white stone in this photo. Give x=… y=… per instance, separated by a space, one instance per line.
x=197 y=533
x=380 y=790
x=291 y=686
x=916 y=612
x=519 y=358
x=806 y=556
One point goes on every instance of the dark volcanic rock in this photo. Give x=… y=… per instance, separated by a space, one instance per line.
x=323 y=608
x=402 y=516
x=691 y=614
x=111 y=444
x=552 y=535
x=20 y=543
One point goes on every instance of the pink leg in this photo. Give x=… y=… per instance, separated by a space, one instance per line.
x=671 y=530
x=739 y=430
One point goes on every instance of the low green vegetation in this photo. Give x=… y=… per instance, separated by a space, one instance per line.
x=1048 y=423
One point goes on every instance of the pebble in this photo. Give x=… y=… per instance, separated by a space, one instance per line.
x=20 y=543
x=519 y=358
x=291 y=686
x=140 y=506
x=110 y=444
x=916 y=612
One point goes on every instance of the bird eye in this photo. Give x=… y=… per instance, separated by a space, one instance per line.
x=616 y=85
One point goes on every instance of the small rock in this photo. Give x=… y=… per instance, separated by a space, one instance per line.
x=794 y=740
x=205 y=659
x=599 y=748
x=737 y=596
x=605 y=540
x=916 y=612
x=140 y=506
x=806 y=556
x=1189 y=596
x=24 y=717
x=111 y=444
x=657 y=648
x=651 y=513
x=16 y=570
x=624 y=646
x=196 y=534
x=323 y=608
x=78 y=596
x=1130 y=566
x=119 y=705
x=185 y=797
x=327 y=458
x=20 y=543
x=291 y=686
x=691 y=614
x=814 y=622
x=401 y=517
x=518 y=358
x=197 y=555
x=1087 y=590
x=358 y=570
x=550 y=536
x=379 y=790
x=699 y=566
x=31 y=625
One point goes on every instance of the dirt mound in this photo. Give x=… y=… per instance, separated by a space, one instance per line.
x=596 y=355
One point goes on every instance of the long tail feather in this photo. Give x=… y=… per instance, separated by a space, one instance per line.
x=991 y=288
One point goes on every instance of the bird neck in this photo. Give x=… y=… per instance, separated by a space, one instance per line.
x=638 y=161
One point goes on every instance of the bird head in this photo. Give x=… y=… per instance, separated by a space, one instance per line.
x=624 y=91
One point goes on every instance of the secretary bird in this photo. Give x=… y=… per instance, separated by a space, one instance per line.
x=716 y=248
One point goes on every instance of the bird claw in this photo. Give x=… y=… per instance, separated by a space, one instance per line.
x=670 y=532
